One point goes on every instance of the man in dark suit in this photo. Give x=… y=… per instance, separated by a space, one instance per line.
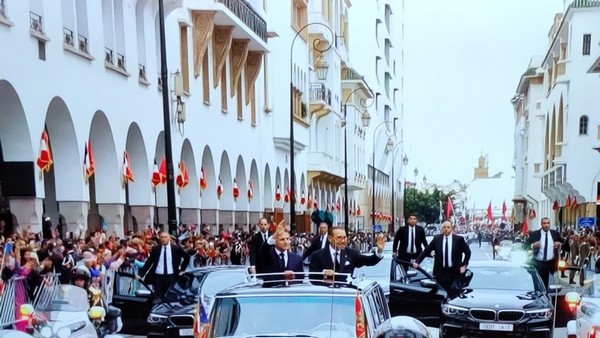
x=409 y=241
x=257 y=241
x=338 y=258
x=319 y=242
x=165 y=263
x=275 y=257
x=545 y=244
x=451 y=258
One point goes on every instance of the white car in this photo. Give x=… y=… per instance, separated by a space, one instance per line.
x=587 y=317
x=503 y=250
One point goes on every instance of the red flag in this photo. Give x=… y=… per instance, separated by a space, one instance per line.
x=183 y=178
x=277 y=194
x=360 y=328
x=219 y=188
x=338 y=205
x=489 y=212
x=127 y=172
x=88 y=160
x=525 y=227
x=202 y=179
x=568 y=201
x=155 y=180
x=504 y=210
x=555 y=205
x=236 y=190
x=358 y=210
x=162 y=170
x=302 y=198
x=574 y=203
x=250 y=189
x=286 y=198
x=449 y=208
x=44 y=160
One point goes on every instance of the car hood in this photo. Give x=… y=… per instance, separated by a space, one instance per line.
x=500 y=299
x=167 y=309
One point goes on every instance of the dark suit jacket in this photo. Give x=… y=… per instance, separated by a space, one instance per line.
x=349 y=259
x=180 y=261
x=255 y=244
x=402 y=239
x=315 y=245
x=268 y=262
x=460 y=254
x=536 y=235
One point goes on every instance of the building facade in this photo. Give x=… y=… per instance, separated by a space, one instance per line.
x=556 y=111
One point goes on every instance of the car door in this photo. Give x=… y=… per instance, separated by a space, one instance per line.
x=415 y=294
x=135 y=299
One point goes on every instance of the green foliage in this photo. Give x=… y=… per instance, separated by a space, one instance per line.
x=426 y=204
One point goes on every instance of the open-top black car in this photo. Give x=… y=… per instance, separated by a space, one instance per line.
x=501 y=299
x=173 y=315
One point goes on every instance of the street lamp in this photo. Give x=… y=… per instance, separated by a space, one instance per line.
x=416 y=172
x=405 y=163
x=321 y=72
x=171 y=209
x=366 y=119
x=389 y=147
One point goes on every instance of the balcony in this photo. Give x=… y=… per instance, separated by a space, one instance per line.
x=585 y=3
x=248 y=16
x=325 y=168
x=320 y=100
x=554 y=182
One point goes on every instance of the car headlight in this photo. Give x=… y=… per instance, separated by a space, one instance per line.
x=64 y=332
x=46 y=332
x=154 y=318
x=541 y=313
x=448 y=309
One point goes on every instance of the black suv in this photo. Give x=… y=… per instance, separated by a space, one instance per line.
x=174 y=314
x=302 y=309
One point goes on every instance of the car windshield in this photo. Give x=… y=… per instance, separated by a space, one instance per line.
x=220 y=280
x=322 y=316
x=506 y=244
x=381 y=269
x=67 y=298
x=186 y=286
x=505 y=278
x=517 y=246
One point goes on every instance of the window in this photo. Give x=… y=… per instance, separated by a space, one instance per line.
x=224 y=88
x=185 y=67
x=587 y=40
x=205 y=80
x=141 y=41
x=299 y=15
x=240 y=106
x=536 y=168
x=583 y=125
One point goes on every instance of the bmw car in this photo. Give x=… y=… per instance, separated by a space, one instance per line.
x=502 y=299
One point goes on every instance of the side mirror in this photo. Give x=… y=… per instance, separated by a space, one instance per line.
x=411 y=273
x=96 y=312
x=428 y=283
x=143 y=293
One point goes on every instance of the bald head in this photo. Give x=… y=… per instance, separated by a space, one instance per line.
x=447 y=228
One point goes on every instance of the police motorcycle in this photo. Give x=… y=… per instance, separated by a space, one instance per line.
x=64 y=311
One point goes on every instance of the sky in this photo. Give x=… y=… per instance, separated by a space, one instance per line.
x=463 y=62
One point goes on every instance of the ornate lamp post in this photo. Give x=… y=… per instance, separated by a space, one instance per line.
x=366 y=120
x=321 y=73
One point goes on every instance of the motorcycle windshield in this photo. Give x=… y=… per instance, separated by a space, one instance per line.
x=64 y=298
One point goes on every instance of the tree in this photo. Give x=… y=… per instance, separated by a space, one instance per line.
x=426 y=205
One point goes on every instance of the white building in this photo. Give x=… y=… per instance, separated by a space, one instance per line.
x=555 y=114
x=89 y=73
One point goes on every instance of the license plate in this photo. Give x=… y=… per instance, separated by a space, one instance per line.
x=186 y=332
x=495 y=327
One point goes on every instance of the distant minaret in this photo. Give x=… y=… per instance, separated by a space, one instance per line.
x=482 y=168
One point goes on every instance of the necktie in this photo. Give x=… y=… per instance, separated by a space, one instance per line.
x=264 y=237
x=165 y=260
x=281 y=261
x=446 y=258
x=412 y=240
x=546 y=247
x=336 y=261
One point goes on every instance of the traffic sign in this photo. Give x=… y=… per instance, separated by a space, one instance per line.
x=377 y=228
x=586 y=222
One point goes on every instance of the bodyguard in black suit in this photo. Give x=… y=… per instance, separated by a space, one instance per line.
x=165 y=263
x=545 y=244
x=319 y=242
x=409 y=240
x=275 y=257
x=257 y=241
x=339 y=258
x=451 y=258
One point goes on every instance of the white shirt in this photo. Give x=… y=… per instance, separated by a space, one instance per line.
x=161 y=259
x=449 y=239
x=332 y=253
x=285 y=257
x=323 y=241
x=550 y=254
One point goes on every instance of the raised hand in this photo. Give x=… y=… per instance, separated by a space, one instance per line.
x=380 y=242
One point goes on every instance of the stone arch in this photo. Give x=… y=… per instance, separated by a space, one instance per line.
x=277 y=185
x=302 y=191
x=240 y=176
x=226 y=181
x=138 y=194
x=560 y=121
x=553 y=136
x=209 y=195
x=256 y=188
x=16 y=146
x=188 y=195
x=268 y=196
x=160 y=191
